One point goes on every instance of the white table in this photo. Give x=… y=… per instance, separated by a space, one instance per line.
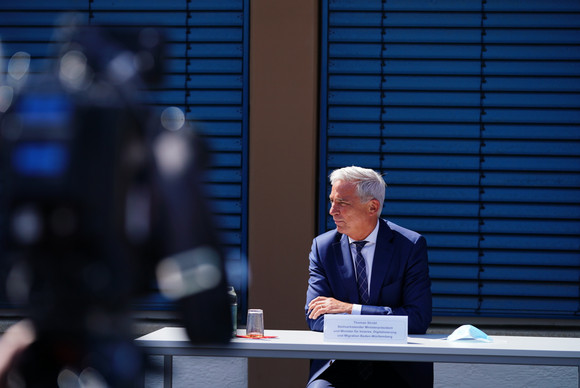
x=173 y=341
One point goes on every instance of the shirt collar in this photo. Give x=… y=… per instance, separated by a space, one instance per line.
x=371 y=238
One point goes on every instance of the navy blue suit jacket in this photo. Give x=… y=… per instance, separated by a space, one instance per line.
x=399 y=280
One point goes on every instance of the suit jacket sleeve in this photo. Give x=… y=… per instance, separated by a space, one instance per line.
x=318 y=285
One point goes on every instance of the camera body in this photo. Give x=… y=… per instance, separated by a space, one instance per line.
x=91 y=203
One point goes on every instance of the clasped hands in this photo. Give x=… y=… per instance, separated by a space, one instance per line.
x=325 y=305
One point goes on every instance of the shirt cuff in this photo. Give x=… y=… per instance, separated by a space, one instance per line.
x=356 y=309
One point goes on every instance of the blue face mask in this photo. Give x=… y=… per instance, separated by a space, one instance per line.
x=468 y=332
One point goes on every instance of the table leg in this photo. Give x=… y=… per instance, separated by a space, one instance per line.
x=167 y=371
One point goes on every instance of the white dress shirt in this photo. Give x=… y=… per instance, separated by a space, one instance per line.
x=368 y=253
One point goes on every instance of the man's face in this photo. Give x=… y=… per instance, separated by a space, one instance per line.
x=352 y=217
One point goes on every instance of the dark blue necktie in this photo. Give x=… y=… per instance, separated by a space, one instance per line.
x=365 y=368
x=361 y=273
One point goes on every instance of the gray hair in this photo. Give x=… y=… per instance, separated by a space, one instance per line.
x=369 y=183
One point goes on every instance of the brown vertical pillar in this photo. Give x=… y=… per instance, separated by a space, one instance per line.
x=282 y=172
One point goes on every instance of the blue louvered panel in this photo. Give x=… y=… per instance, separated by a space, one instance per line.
x=205 y=74
x=203 y=41
x=471 y=109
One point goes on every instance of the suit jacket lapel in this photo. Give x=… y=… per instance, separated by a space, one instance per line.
x=346 y=268
x=381 y=260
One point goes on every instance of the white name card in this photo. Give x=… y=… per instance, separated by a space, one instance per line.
x=388 y=329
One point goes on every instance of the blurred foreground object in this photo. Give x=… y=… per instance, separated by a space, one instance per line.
x=98 y=195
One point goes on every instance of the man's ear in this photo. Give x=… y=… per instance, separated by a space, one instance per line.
x=374 y=206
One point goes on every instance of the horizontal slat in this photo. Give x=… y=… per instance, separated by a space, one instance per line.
x=563 y=277
x=406 y=66
x=504 y=242
x=532 y=100
x=391 y=98
x=494 y=152
x=396 y=98
x=532 y=35
x=498 y=218
x=541 y=306
x=120 y=16
x=154 y=5
x=454 y=6
x=402 y=146
x=199 y=82
x=204 y=66
x=406 y=35
x=215 y=50
x=217 y=128
x=217 y=97
x=429 y=162
x=464 y=83
x=446 y=258
x=536 y=52
x=497 y=280
x=453 y=287
x=412 y=130
x=129 y=5
x=226 y=159
x=420 y=114
x=455 y=115
x=540 y=179
x=539 y=84
x=397 y=161
x=463 y=218
x=512 y=290
x=458 y=67
x=536 y=131
x=532 y=195
x=166 y=17
x=36 y=19
x=223 y=144
x=454 y=19
x=446 y=305
x=541 y=242
x=405 y=19
x=223 y=175
x=428 y=224
x=230 y=238
x=531 y=68
x=538 y=162
x=403 y=82
x=226 y=206
x=228 y=222
x=212 y=113
x=459 y=35
x=532 y=258
x=558 y=223
x=224 y=59
x=431 y=209
x=223 y=191
x=404 y=51
x=537 y=6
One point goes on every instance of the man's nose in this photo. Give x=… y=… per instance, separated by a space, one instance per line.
x=332 y=210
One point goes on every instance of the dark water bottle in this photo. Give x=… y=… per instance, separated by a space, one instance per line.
x=234 y=306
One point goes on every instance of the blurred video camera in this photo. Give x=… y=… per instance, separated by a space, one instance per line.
x=100 y=197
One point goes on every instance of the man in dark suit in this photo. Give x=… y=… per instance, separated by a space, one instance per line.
x=367 y=266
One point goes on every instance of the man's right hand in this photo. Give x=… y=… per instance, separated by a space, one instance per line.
x=325 y=305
